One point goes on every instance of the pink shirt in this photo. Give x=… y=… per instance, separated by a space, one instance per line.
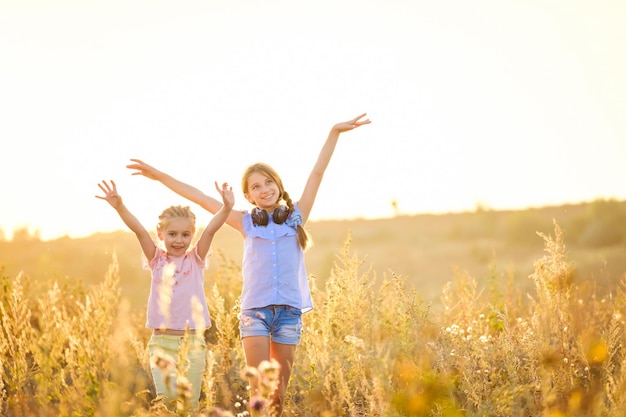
x=187 y=283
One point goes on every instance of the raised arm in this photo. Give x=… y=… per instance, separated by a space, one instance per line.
x=204 y=243
x=315 y=177
x=187 y=191
x=115 y=200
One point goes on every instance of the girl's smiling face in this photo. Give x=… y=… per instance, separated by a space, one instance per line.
x=177 y=235
x=263 y=192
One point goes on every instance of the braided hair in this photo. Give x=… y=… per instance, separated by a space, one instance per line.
x=175 y=212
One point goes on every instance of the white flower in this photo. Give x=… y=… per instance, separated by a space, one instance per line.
x=355 y=341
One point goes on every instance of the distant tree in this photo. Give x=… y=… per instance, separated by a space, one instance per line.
x=396 y=209
x=481 y=207
x=23 y=235
x=522 y=226
x=605 y=222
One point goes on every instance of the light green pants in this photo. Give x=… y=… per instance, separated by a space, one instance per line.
x=165 y=377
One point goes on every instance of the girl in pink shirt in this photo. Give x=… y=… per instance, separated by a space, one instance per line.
x=176 y=299
x=275 y=290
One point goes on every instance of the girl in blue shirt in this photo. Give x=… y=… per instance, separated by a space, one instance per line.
x=275 y=289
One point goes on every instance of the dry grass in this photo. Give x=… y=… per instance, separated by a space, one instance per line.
x=370 y=347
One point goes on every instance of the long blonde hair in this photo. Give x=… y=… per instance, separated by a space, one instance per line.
x=304 y=239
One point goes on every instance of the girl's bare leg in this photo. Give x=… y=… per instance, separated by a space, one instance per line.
x=258 y=349
x=284 y=355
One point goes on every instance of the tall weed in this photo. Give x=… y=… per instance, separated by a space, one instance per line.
x=370 y=347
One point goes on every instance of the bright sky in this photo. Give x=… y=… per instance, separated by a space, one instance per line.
x=507 y=104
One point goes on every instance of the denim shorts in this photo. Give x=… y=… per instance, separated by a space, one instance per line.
x=282 y=323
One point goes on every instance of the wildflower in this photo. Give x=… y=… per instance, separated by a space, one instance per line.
x=267 y=367
x=355 y=341
x=258 y=403
x=163 y=361
x=183 y=387
x=165 y=289
x=269 y=371
x=216 y=412
x=269 y=385
x=250 y=372
x=454 y=329
x=198 y=316
x=483 y=339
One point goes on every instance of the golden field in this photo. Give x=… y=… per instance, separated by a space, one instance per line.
x=486 y=313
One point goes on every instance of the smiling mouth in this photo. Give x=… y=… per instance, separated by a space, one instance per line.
x=269 y=198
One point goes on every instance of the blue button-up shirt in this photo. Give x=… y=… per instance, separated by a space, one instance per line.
x=273 y=266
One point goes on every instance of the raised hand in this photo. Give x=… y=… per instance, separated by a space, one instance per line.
x=228 y=197
x=351 y=124
x=115 y=200
x=204 y=243
x=110 y=194
x=144 y=169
